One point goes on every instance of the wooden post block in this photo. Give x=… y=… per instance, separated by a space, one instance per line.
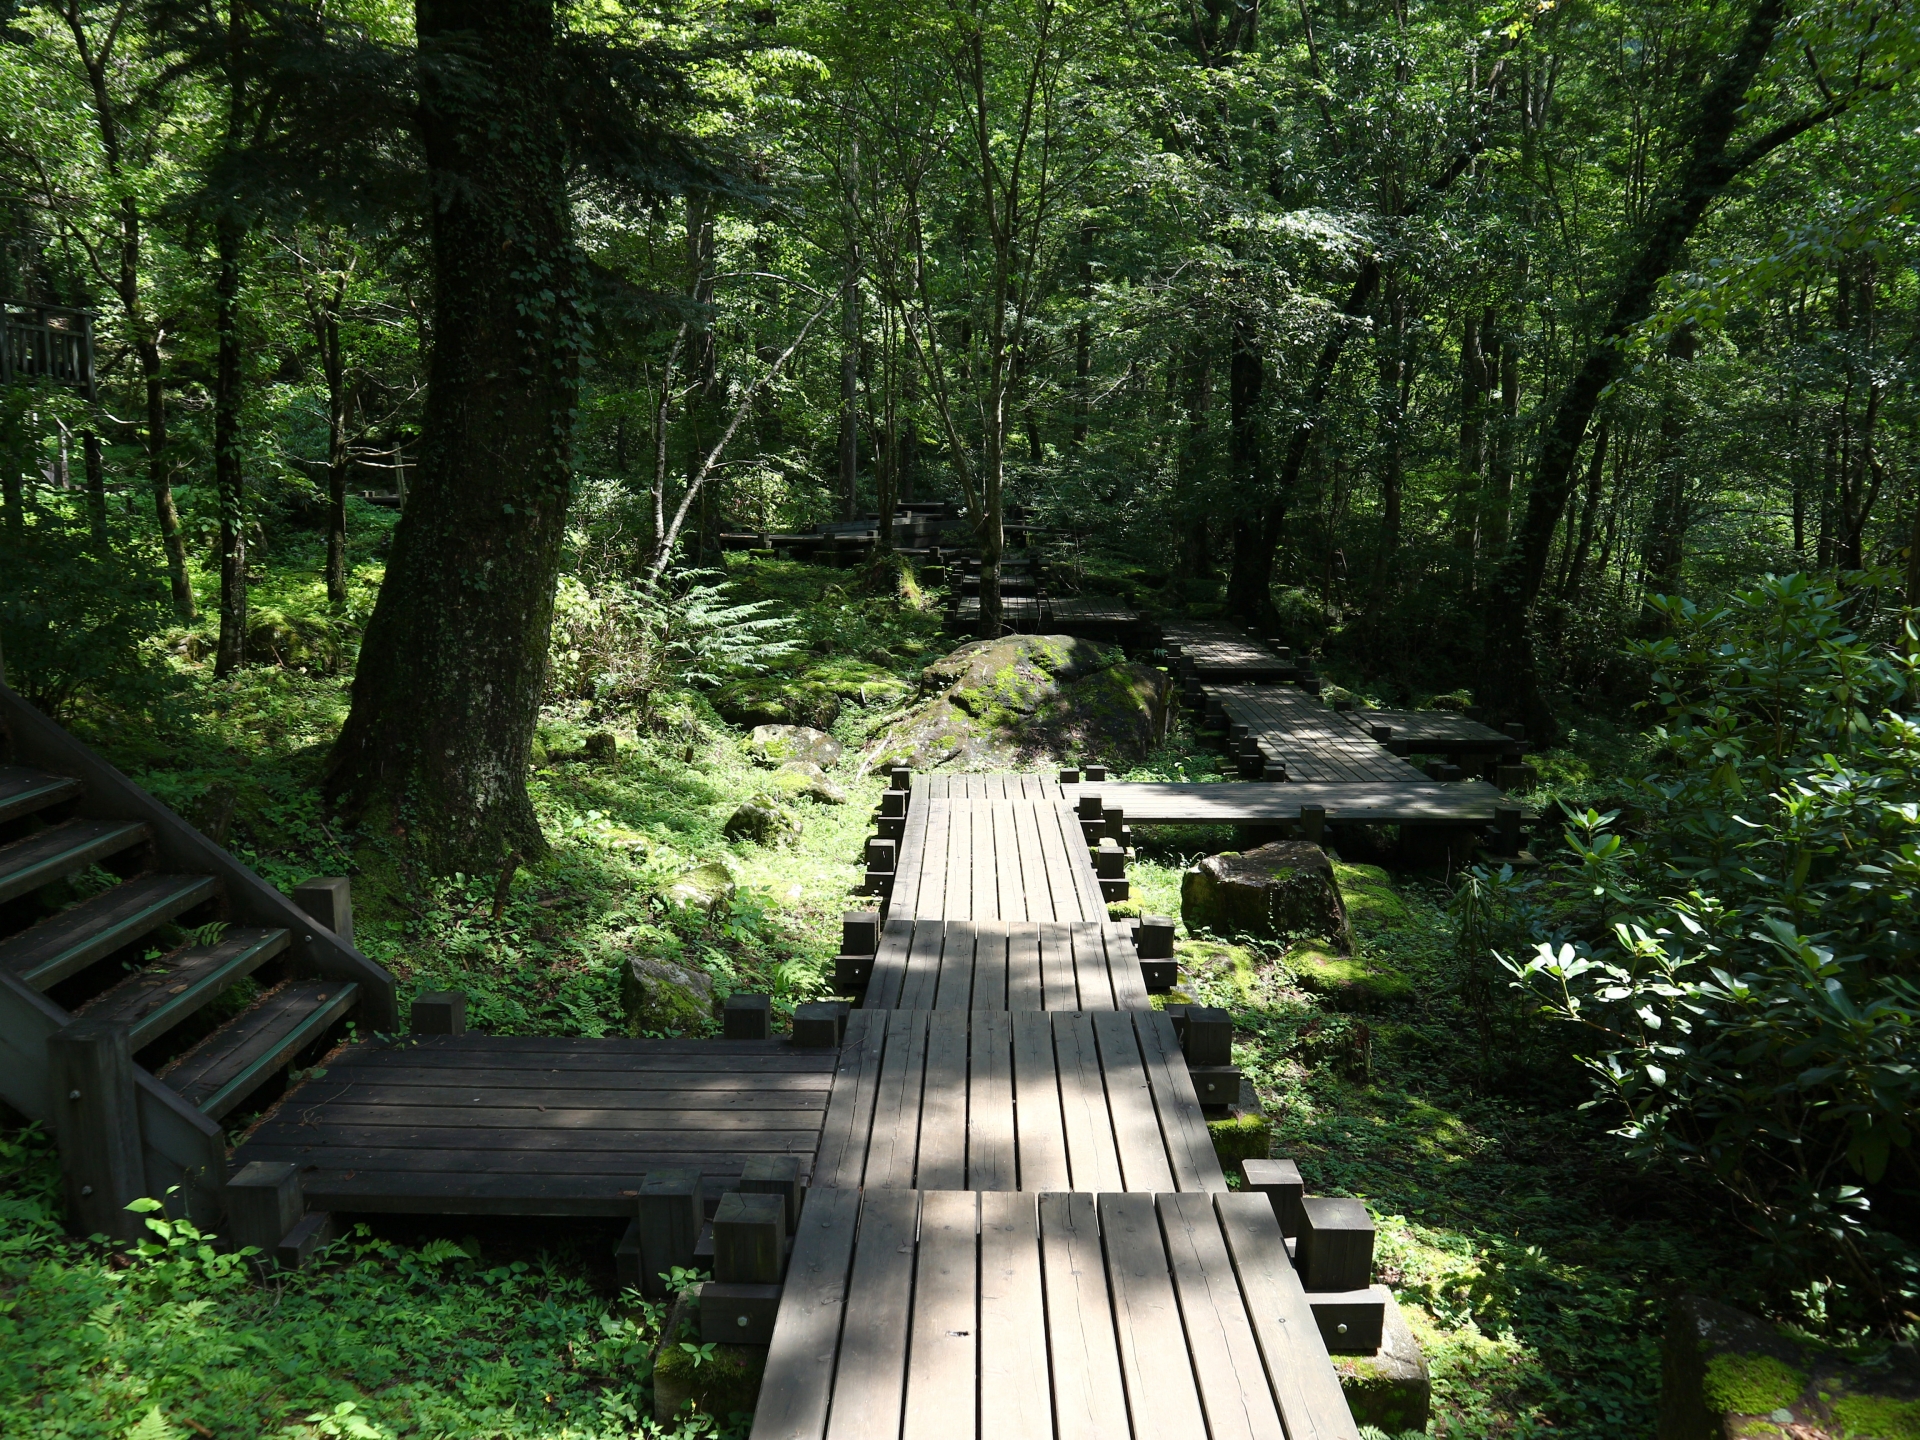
x=1313 y=822
x=627 y=1266
x=1154 y=937
x=816 y=1024
x=328 y=899
x=1096 y=774
x=438 y=1012
x=1069 y=776
x=1285 y=653
x=264 y=1202
x=881 y=853
x=1217 y=1086
x=1383 y=734
x=96 y=1121
x=672 y=1210
x=1208 y=1037
x=1280 y=1182
x=747 y=1017
x=1511 y=777
x=1088 y=806
x=738 y=1314
x=893 y=803
x=859 y=932
x=1506 y=819
x=299 y=1245
x=899 y=777
x=1351 y=1322
x=775 y=1175
x=1110 y=861
x=1451 y=772
x=851 y=973
x=1514 y=729
x=1436 y=770
x=749 y=1238
x=1237 y=735
x=1343 y=707
x=1336 y=1244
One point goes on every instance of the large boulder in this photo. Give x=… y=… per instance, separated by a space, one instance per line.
x=763 y=820
x=1286 y=888
x=778 y=744
x=811 y=694
x=804 y=780
x=1028 y=699
x=662 y=997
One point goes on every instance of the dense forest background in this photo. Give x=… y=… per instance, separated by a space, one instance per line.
x=1555 y=358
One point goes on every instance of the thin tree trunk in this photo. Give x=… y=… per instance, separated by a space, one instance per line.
x=96 y=487
x=1575 y=574
x=228 y=473
x=1249 y=583
x=1392 y=357
x=1500 y=461
x=448 y=687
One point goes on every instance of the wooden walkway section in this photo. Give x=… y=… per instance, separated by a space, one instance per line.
x=1257 y=802
x=1434 y=732
x=998 y=965
x=1215 y=651
x=1312 y=742
x=991 y=1100
x=1003 y=1316
x=994 y=859
x=527 y=1125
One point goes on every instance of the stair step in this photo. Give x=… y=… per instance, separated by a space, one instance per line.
x=235 y=1060
x=153 y=1002
x=23 y=791
x=66 y=943
x=61 y=850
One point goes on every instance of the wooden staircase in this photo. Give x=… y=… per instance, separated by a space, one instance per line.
x=150 y=985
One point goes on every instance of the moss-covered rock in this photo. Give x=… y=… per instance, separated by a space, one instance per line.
x=660 y=997
x=707 y=889
x=779 y=744
x=1241 y=1137
x=1373 y=905
x=811 y=695
x=1391 y=1389
x=763 y=820
x=1350 y=982
x=1286 y=888
x=1024 y=700
x=803 y=780
x=691 y=1378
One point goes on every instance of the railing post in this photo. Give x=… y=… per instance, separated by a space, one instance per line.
x=97 y=1125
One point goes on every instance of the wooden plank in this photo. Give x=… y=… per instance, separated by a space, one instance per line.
x=1136 y=1125
x=849 y=1124
x=1092 y=1162
x=686 y=1148
x=989 y=967
x=1024 y=988
x=941 y=1378
x=1297 y=1366
x=1056 y=870
x=920 y=980
x=992 y=1158
x=1090 y=979
x=1161 y=1393
x=576 y=1052
x=1009 y=885
x=1057 y=981
x=910 y=860
x=1190 y=1153
x=931 y=899
x=942 y=1163
x=982 y=883
x=806 y=1332
x=69 y=940
x=1086 y=887
x=1040 y=1134
x=1089 y=1396
x=1264 y=802
x=1015 y=1398
x=892 y=1150
x=1038 y=896
x=235 y=1060
x=1226 y=1358
x=889 y=963
x=1123 y=968
x=870 y=1384
x=392 y=1074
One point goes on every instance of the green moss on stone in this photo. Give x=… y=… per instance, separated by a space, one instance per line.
x=1752 y=1384
x=1372 y=903
x=1877 y=1417
x=1378 y=1395
x=1243 y=1137
x=1347 y=978
x=727 y=1384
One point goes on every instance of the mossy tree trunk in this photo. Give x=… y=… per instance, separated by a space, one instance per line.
x=448 y=686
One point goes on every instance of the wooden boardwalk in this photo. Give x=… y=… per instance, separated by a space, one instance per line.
x=999 y=965
x=1312 y=742
x=1257 y=802
x=994 y=859
x=1003 y=1315
x=993 y=1100
x=1216 y=651
x=526 y=1125
x=1434 y=732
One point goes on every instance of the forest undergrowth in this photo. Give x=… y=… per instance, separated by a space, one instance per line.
x=1534 y=1262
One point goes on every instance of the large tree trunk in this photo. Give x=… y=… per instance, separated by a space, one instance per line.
x=1510 y=678
x=450 y=675
x=228 y=474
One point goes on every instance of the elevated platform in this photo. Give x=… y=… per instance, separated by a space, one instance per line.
x=1434 y=732
x=1313 y=742
x=1257 y=802
x=527 y=1125
x=994 y=859
x=1001 y=965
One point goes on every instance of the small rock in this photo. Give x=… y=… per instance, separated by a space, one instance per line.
x=1286 y=888
x=658 y=995
x=1391 y=1388
x=602 y=748
x=764 y=821
x=776 y=744
x=804 y=780
x=707 y=888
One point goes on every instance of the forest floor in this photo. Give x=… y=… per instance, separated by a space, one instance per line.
x=1533 y=1263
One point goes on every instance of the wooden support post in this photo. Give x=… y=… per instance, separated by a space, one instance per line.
x=1207 y=1037
x=881 y=854
x=1280 y=1182
x=749 y=1238
x=851 y=973
x=1336 y=1244
x=438 y=1012
x=859 y=932
x=1110 y=861
x=816 y=1024
x=264 y=1203
x=1115 y=819
x=899 y=777
x=1313 y=822
x=1069 y=776
x=328 y=899
x=893 y=803
x=1514 y=729
x=775 y=1175
x=1096 y=774
x=1153 y=939
x=1351 y=1322
x=311 y=1235
x=738 y=1314
x=1382 y=734
x=1217 y=1086
x=672 y=1210
x=747 y=1017
x=1506 y=819
x=97 y=1124
x=1343 y=707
